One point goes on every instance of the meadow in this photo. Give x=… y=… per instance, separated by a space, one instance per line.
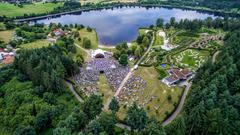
x=11 y=10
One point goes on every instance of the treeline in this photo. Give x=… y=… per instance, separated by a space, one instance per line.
x=213 y=106
x=26 y=34
x=227 y=24
x=218 y=7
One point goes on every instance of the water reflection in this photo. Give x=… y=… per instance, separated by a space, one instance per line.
x=121 y=24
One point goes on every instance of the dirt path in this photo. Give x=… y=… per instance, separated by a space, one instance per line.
x=179 y=107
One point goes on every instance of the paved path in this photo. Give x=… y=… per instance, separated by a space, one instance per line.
x=70 y=86
x=179 y=107
x=215 y=56
x=132 y=69
x=129 y=74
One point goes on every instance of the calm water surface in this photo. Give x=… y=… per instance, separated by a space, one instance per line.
x=122 y=24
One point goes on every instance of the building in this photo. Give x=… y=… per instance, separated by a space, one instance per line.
x=58 y=32
x=176 y=76
x=99 y=53
x=1 y=57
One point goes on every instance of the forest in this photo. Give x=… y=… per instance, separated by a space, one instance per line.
x=213 y=104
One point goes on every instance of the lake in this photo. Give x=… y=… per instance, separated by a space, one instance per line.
x=118 y=25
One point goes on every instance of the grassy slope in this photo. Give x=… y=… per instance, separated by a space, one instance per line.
x=10 y=10
x=90 y=35
x=155 y=88
x=105 y=89
x=36 y=44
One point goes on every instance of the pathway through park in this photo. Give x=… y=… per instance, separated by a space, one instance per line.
x=130 y=73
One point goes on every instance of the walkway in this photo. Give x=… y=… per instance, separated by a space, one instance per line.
x=129 y=74
x=132 y=69
x=70 y=86
x=215 y=56
x=179 y=107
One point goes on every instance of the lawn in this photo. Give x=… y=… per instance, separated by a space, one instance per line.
x=36 y=44
x=159 y=106
x=6 y=35
x=191 y=58
x=105 y=89
x=10 y=10
x=158 y=40
x=2 y=26
x=90 y=35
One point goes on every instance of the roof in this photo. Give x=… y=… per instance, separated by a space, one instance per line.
x=178 y=73
x=8 y=59
x=58 y=32
x=172 y=78
x=98 y=52
x=186 y=72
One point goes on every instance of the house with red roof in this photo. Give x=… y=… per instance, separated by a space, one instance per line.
x=176 y=76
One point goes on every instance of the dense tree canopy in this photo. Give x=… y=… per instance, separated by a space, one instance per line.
x=213 y=106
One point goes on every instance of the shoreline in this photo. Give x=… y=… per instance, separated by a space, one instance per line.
x=115 y=5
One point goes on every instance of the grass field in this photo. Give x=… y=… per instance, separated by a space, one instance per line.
x=90 y=35
x=10 y=10
x=105 y=89
x=6 y=35
x=158 y=40
x=36 y=44
x=160 y=105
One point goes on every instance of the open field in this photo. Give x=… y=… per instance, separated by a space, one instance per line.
x=10 y=10
x=190 y=58
x=106 y=1
x=90 y=35
x=159 y=106
x=6 y=35
x=36 y=44
x=105 y=89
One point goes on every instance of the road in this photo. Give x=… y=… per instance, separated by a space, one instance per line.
x=215 y=56
x=179 y=107
x=70 y=86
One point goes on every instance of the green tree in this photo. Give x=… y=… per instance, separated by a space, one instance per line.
x=94 y=127
x=159 y=22
x=136 y=118
x=108 y=122
x=80 y=59
x=146 y=41
x=154 y=128
x=123 y=60
x=114 y=105
x=86 y=43
x=93 y=106
x=62 y=131
x=25 y=131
